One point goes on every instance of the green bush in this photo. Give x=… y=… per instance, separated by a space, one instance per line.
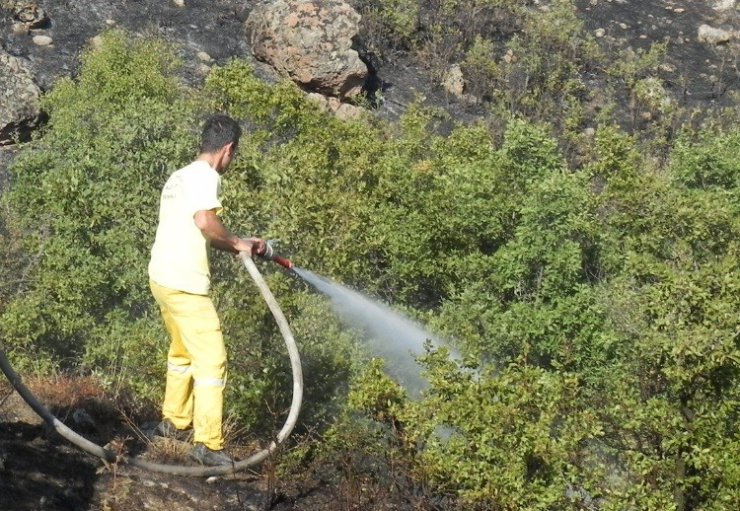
x=83 y=195
x=707 y=160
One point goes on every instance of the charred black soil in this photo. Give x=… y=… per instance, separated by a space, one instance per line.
x=40 y=470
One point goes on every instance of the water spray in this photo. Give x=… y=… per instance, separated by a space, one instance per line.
x=386 y=332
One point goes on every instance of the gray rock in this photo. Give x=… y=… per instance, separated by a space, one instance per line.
x=27 y=12
x=347 y=112
x=19 y=29
x=332 y=105
x=454 y=81
x=725 y=5
x=317 y=98
x=96 y=42
x=42 y=40
x=310 y=42
x=19 y=99
x=712 y=35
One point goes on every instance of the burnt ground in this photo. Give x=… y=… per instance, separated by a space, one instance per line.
x=215 y=27
x=698 y=74
x=39 y=470
x=66 y=480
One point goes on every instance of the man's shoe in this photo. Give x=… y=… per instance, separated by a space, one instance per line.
x=206 y=456
x=166 y=429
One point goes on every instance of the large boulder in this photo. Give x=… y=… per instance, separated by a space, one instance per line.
x=716 y=36
x=19 y=99
x=310 y=42
x=30 y=14
x=724 y=5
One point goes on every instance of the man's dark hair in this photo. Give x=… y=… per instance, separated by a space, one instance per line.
x=219 y=130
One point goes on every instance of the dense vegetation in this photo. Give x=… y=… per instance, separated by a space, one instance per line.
x=590 y=279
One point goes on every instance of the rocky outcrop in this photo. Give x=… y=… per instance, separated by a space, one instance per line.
x=712 y=35
x=25 y=13
x=725 y=5
x=342 y=111
x=19 y=99
x=310 y=42
x=454 y=81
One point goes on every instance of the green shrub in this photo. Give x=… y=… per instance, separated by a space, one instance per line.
x=84 y=194
x=387 y=25
x=708 y=160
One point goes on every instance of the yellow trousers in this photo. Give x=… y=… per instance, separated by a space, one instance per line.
x=196 y=364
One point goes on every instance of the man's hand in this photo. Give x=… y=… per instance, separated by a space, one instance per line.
x=245 y=246
x=258 y=245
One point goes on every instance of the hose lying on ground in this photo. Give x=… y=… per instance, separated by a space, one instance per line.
x=109 y=456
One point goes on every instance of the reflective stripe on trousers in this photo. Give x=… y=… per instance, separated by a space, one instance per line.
x=178 y=369
x=196 y=364
x=209 y=382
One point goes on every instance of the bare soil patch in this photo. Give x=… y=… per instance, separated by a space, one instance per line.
x=697 y=73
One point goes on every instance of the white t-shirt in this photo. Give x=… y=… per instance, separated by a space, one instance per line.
x=180 y=252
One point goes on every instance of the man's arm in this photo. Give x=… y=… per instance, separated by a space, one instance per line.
x=220 y=237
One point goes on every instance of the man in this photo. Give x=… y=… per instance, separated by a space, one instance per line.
x=179 y=277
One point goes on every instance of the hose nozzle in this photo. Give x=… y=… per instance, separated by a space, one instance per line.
x=268 y=254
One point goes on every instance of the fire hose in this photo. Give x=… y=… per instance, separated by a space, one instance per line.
x=181 y=470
